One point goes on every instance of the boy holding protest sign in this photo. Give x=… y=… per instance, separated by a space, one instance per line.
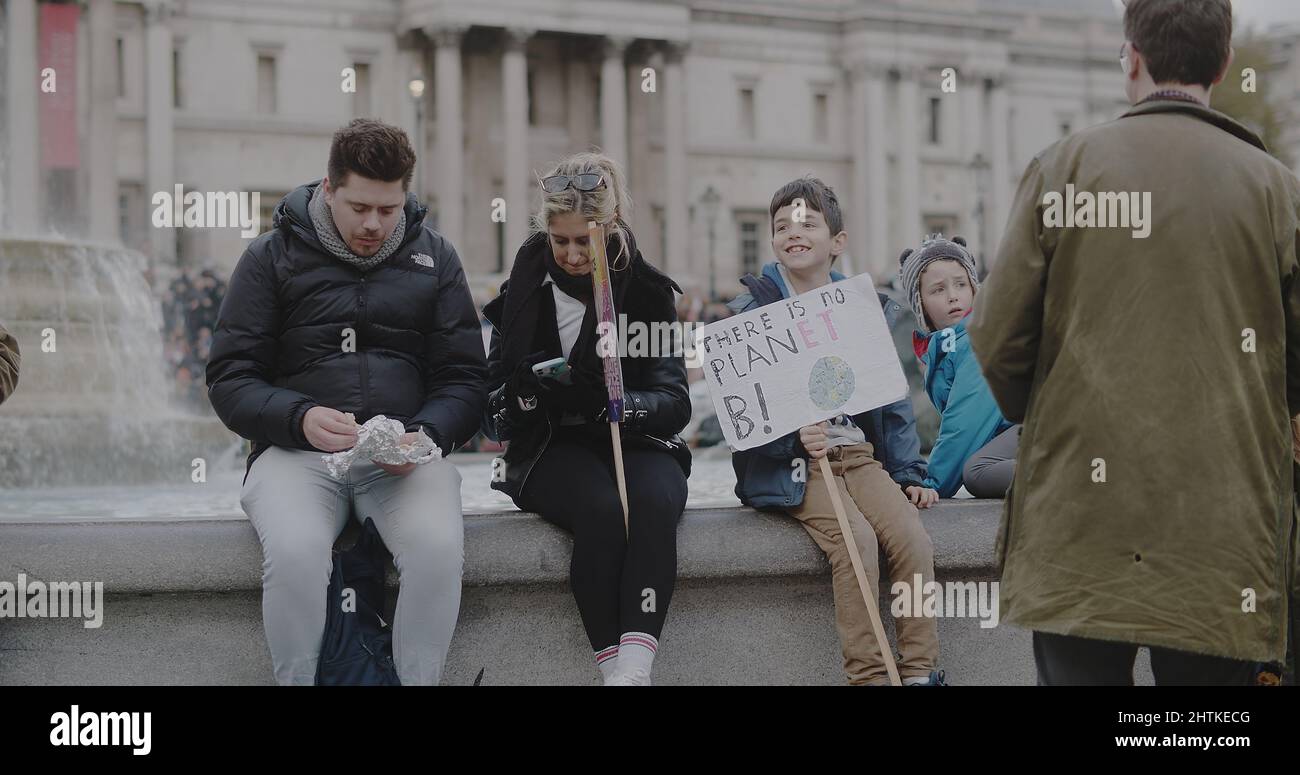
x=874 y=457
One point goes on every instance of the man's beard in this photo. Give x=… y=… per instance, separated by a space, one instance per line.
x=363 y=249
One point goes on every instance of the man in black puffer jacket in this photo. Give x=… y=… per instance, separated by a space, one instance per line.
x=348 y=309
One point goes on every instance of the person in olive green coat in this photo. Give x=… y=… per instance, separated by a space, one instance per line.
x=1155 y=376
x=8 y=364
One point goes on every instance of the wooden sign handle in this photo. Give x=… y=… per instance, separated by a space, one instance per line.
x=868 y=595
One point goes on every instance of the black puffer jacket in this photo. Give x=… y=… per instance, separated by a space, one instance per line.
x=656 y=403
x=279 y=346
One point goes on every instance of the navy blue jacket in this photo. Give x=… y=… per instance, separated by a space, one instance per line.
x=764 y=474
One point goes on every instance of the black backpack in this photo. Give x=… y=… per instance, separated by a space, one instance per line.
x=357 y=646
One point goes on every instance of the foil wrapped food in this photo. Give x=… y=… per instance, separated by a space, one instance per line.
x=380 y=439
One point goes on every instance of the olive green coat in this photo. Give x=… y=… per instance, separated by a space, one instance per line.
x=1155 y=377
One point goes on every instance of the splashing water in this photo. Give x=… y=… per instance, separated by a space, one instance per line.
x=93 y=405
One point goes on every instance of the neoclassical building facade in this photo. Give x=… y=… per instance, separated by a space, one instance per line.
x=920 y=113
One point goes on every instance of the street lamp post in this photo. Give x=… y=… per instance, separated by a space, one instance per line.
x=709 y=203
x=416 y=87
x=979 y=167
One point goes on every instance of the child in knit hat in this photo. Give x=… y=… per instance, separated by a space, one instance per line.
x=976 y=446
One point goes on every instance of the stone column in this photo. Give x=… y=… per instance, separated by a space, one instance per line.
x=22 y=186
x=613 y=100
x=101 y=134
x=159 y=140
x=910 y=227
x=868 y=214
x=676 y=213
x=971 y=88
x=514 y=89
x=448 y=179
x=858 y=213
x=1000 y=143
x=579 y=97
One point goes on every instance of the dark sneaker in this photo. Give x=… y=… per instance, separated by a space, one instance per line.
x=936 y=679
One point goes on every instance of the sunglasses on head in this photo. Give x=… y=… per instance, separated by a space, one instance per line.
x=587 y=181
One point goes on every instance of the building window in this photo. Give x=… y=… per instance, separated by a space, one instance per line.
x=748 y=127
x=751 y=242
x=266 y=91
x=121 y=67
x=501 y=247
x=821 y=117
x=662 y=220
x=657 y=219
x=177 y=99
x=361 y=97
x=124 y=216
x=532 y=102
x=269 y=201
x=941 y=224
x=936 y=114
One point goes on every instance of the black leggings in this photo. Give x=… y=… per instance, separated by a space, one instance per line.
x=573 y=486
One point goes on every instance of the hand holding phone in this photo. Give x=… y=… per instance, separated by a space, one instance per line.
x=556 y=369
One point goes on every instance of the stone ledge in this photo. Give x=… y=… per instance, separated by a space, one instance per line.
x=502 y=548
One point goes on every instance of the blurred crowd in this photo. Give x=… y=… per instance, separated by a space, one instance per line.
x=189 y=307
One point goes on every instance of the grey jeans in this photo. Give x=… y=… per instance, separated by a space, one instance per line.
x=298 y=510
x=988 y=472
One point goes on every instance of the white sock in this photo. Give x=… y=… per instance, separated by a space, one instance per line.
x=916 y=679
x=607 y=661
x=636 y=650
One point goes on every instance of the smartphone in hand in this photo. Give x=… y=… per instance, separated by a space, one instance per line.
x=556 y=369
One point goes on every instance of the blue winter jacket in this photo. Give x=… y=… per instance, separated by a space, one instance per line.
x=969 y=416
x=764 y=474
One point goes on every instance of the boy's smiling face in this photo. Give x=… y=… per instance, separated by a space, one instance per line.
x=805 y=248
x=946 y=293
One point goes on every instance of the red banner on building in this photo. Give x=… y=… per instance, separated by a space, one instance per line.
x=57 y=86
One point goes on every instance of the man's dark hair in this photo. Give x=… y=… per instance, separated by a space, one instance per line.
x=371 y=149
x=816 y=196
x=1182 y=41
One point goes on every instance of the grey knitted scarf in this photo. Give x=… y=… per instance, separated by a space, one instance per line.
x=328 y=234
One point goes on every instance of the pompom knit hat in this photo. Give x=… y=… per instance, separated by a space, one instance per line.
x=913 y=262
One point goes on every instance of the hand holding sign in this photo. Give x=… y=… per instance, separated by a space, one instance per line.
x=813 y=438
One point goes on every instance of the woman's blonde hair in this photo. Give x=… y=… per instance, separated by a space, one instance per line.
x=610 y=205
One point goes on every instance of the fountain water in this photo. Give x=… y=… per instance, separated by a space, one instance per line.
x=92 y=405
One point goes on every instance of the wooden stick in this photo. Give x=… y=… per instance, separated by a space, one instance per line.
x=618 y=472
x=603 y=298
x=867 y=594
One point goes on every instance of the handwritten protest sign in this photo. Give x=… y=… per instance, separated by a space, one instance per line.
x=799 y=361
